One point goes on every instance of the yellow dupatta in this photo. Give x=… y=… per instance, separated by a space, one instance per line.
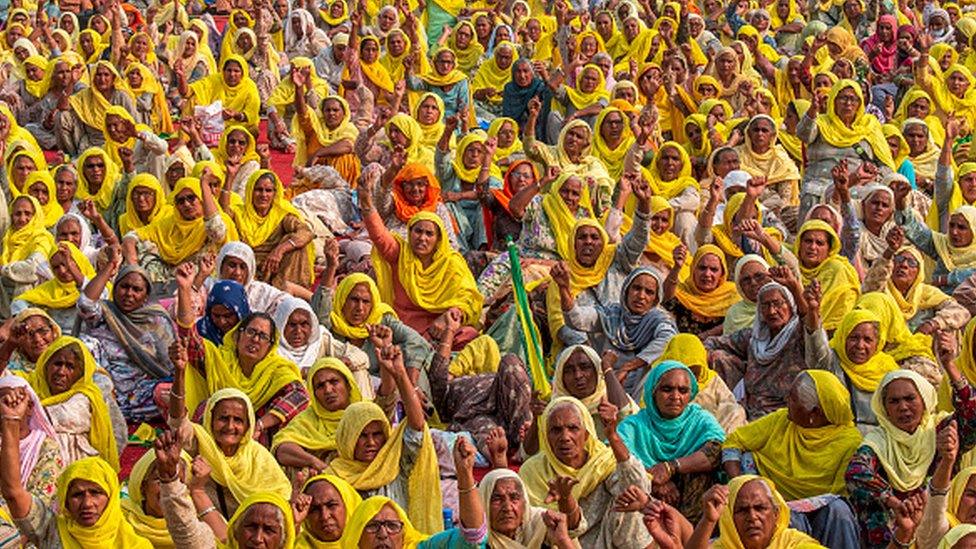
x=227 y=42
x=502 y=153
x=432 y=132
x=699 y=121
x=161 y=119
x=242 y=98
x=314 y=429
x=375 y=72
x=340 y=326
x=467 y=58
x=16 y=131
x=395 y=64
x=956 y=490
x=804 y=462
x=112 y=146
x=932 y=122
x=592 y=401
x=417 y=152
x=866 y=376
x=712 y=304
x=100 y=436
x=129 y=220
x=784 y=537
x=323 y=134
x=689 y=350
x=864 y=128
x=89 y=104
x=838 y=279
x=252 y=469
x=663 y=245
x=957 y=257
x=282 y=505
x=38 y=88
x=152 y=528
x=900 y=342
x=12 y=154
x=424 y=504
x=283 y=95
x=613 y=159
x=490 y=75
x=111 y=530
x=926 y=163
x=103 y=198
x=33 y=237
x=465 y=174
x=176 y=238
x=447 y=282
x=55 y=293
x=541 y=468
x=562 y=222
x=52 y=210
x=920 y=296
x=364 y=513
x=891 y=130
x=956 y=198
x=581 y=99
x=948 y=102
x=433 y=78
x=97 y=43
x=906 y=457
x=351 y=500
x=774 y=164
x=671 y=188
x=723 y=234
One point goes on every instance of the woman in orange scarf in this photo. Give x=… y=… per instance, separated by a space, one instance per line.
x=413 y=189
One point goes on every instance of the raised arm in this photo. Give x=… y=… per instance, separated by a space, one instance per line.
x=14 y=404
x=391 y=361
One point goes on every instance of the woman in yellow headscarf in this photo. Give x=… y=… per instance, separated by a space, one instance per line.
x=612 y=139
x=89 y=187
x=429 y=114
x=573 y=155
x=467 y=50
x=376 y=77
x=152 y=203
x=918 y=301
x=447 y=81
x=918 y=104
x=91 y=45
x=282 y=102
x=324 y=533
x=635 y=42
x=145 y=517
x=233 y=87
x=190 y=54
x=59 y=295
x=726 y=237
x=909 y=350
x=662 y=241
x=950 y=94
x=408 y=537
x=818 y=249
x=713 y=394
x=761 y=157
x=701 y=301
x=118 y=115
x=27 y=235
x=239 y=19
x=15 y=131
x=90 y=104
x=326 y=138
x=41 y=186
x=78 y=408
x=698 y=145
x=276 y=230
x=22 y=160
x=239 y=533
x=954 y=252
x=150 y=98
x=403 y=131
x=309 y=440
x=492 y=76
x=587 y=98
x=859 y=358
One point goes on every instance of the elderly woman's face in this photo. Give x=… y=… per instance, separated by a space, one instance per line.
x=631 y=28
x=752 y=276
x=85 y=502
x=188 y=205
x=396 y=44
x=369 y=51
x=23 y=166
x=672 y=394
x=502 y=35
x=612 y=128
x=330 y=388
x=708 y=273
x=444 y=63
x=23 y=212
x=387 y=18
x=669 y=163
x=642 y=294
x=761 y=134
x=579 y=375
x=473 y=155
x=571 y=192
x=429 y=112
x=326 y=518
x=254 y=340
x=754 y=514
x=68 y=231
x=229 y=423
x=588 y=245
x=233 y=268
x=370 y=442
x=534 y=30
x=966 y=511
x=262 y=197
x=847 y=104
x=960 y=233
x=358 y=305
x=245 y=42
x=862 y=342
x=903 y=404
x=576 y=141
x=523 y=74
x=814 y=247
x=775 y=310
x=604 y=25
x=298 y=328
x=385 y=530
x=424 y=236
x=504 y=58
x=566 y=436
x=626 y=93
x=261 y=526
x=588 y=47
x=878 y=208
x=38 y=334
x=131 y=292
x=506 y=507
x=463 y=36
x=957 y=83
x=917 y=136
x=905 y=271
x=661 y=222
x=521 y=177
x=63 y=369
x=967 y=184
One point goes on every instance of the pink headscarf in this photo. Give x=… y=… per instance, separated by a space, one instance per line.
x=40 y=428
x=883 y=55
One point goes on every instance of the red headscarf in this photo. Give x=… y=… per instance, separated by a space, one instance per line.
x=504 y=197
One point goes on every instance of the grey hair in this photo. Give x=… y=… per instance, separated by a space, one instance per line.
x=562 y=405
x=769 y=493
x=279 y=515
x=806 y=391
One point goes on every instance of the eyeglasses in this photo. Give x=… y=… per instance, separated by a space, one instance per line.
x=185 y=199
x=906 y=260
x=391 y=526
x=256 y=334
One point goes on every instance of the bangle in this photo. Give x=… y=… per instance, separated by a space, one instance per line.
x=12 y=418
x=900 y=544
x=173 y=393
x=466 y=490
x=205 y=512
x=934 y=492
x=677 y=466
x=171 y=479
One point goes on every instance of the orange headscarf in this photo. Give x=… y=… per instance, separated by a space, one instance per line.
x=405 y=211
x=504 y=196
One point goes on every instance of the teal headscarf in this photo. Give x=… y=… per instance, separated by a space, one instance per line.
x=654 y=439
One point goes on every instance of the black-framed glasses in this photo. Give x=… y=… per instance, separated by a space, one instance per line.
x=391 y=526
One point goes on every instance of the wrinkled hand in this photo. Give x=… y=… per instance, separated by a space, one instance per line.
x=812 y=295
x=895 y=238
x=609 y=415
x=560 y=489
x=714 y=502
x=168 y=448
x=463 y=454
x=199 y=474
x=380 y=336
x=560 y=274
x=184 y=275
x=632 y=499
x=679 y=255
x=946 y=347
x=331 y=252
x=947 y=441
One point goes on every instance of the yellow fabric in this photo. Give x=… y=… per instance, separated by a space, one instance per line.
x=424 y=506
x=581 y=99
x=689 y=350
x=177 y=238
x=723 y=234
x=242 y=98
x=17 y=151
x=891 y=130
x=227 y=42
x=701 y=122
x=562 y=221
x=100 y=435
x=149 y=527
x=465 y=174
x=541 y=468
x=375 y=72
x=380 y=309
x=252 y=469
x=283 y=95
x=773 y=164
x=350 y=501
x=906 y=457
x=965 y=106
x=966 y=361
x=804 y=462
x=161 y=119
x=129 y=220
x=111 y=530
x=674 y=187
x=272 y=498
x=104 y=197
x=591 y=401
x=323 y=134
x=433 y=78
x=839 y=283
x=16 y=132
x=467 y=58
x=712 y=304
x=480 y=356
x=38 y=88
x=417 y=152
x=784 y=537
x=866 y=376
x=956 y=491
x=490 y=75
x=952 y=257
x=613 y=159
x=111 y=146
x=365 y=511
x=900 y=341
x=663 y=245
x=314 y=429
x=19 y=244
x=52 y=210
x=446 y=282
x=864 y=128
x=56 y=294
x=956 y=199
x=920 y=296
x=432 y=133
x=932 y=122
x=395 y=64
x=89 y=104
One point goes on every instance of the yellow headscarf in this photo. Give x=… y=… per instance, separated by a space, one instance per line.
x=447 y=282
x=326 y=13
x=674 y=187
x=38 y=88
x=465 y=174
x=283 y=95
x=433 y=78
x=948 y=102
x=502 y=153
x=467 y=58
x=227 y=43
x=161 y=120
x=54 y=293
x=395 y=64
x=417 y=151
x=541 y=468
x=89 y=104
x=314 y=429
x=723 y=234
x=149 y=527
x=701 y=122
x=956 y=491
x=380 y=309
x=784 y=537
x=490 y=75
x=252 y=469
x=562 y=221
x=424 y=505
x=365 y=511
x=100 y=435
x=432 y=132
x=966 y=361
x=900 y=341
x=891 y=130
x=613 y=159
x=956 y=198
x=323 y=135
x=16 y=132
x=19 y=244
x=103 y=199
x=111 y=530
x=962 y=257
x=177 y=238
x=97 y=42
x=838 y=279
x=52 y=210
x=774 y=164
x=712 y=304
x=129 y=220
x=375 y=72
x=35 y=156
x=351 y=500
x=864 y=128
x=271 y=498
x=242 y=98
x=864 y=376
x=920 y=296
x=581 y=99
x=250 y=151
x=592 y=401
x=906 y=457
x=112 y=146
x=804 y=462
x=663 y=245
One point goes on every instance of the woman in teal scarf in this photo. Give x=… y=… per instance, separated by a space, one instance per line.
x=679 y=443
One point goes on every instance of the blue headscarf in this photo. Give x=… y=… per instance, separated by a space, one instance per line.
x=515 y=100
x=491 y=39
x=654 y=439
x=230 y=294
x=631 y=332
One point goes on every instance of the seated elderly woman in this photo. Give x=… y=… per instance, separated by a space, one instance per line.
x=713 y=394
x=406 y=190
x=28 y=335
x=950 y=501
x=421 y=276
x=463 y=170
x=700 y=303
x=891 y=466
x=749 y=512
x=226 y=306
x=235 y=262
x=59 y=296
x=576 y=473
x=331 y=503
x=194 y=226
x=513 y=521
x=911 y=351
x=877 y=220
x=26 y=244
x=304 y=341
x=378 y=460
x=309 y=440
x=240 y=465
x=83 y=125
x=78 y=522
x=134 y=336
x=767 y=356
x=635 y=328
x=818 y=249
x=751 y=274
x=246 y=359
x=952 y=251
x=277 y=231
x=80 y=402
x=804 y=449
x=678 y=442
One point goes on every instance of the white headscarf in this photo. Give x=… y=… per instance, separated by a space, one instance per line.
x=533 y=530
x=306 y=355
x=261 y=296
x=764 y=345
